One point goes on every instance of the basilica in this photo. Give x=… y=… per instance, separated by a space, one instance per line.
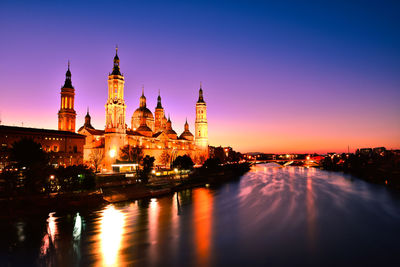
x=152 y=133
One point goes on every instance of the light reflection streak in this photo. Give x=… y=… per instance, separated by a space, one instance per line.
x=77 y=227
x=203 y=205
x=175 y=221
x=20 y=231
x=153 y=225
x=76 y=235
x=112 y=230
x=48 y=241
x=311 y=211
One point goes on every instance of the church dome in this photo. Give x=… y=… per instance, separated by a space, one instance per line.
x=143 y=112
x=139 y=114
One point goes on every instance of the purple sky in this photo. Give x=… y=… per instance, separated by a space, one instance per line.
x=287 y=77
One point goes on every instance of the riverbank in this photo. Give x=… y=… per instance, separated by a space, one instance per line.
x=118 y=191
x=164 y=186
x=377 y=170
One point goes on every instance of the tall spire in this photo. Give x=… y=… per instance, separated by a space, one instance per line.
x=169 y=123
x=116 y=70
x=68 y=81
x=186 y=125
x=159 y=100
x=142 y=102
x=201 y=99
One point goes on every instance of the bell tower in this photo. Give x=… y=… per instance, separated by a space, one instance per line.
x=67 y=114
x=115 y=106
x=115 y=131
x=201 y=126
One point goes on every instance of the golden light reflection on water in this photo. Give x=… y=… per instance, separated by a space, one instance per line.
x=154 y=210
x=311 y=210
x=48 y=241
x=112 y=229
x=77 y=227
x=203 y=207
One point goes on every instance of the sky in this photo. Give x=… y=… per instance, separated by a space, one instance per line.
x=278 y=76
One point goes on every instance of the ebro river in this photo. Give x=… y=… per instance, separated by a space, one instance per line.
x=272 y=216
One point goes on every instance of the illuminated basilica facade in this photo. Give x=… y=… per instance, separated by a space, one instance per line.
x=152 y=133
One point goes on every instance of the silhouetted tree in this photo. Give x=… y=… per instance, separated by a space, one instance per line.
x=212 y=164
x=147 y=163
x=96 y=156
x=165 y=157
x=27 y=153
x=74 y=178
x=131 y=153
x=33 y=164
x=183 y=162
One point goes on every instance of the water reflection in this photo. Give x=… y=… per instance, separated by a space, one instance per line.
x=273 y=216
x=48 y=241
x=77 y=227
x=202 y=220
x=311 y=210
x=112 y=230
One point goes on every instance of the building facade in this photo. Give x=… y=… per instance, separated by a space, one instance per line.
x=153 y=134
x=64 y=147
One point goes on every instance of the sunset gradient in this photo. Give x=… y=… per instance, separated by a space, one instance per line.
x=277 y=77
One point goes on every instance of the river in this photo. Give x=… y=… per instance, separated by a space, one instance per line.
x=272 y=216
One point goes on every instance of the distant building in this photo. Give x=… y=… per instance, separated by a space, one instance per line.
x=65 y=148
x=379 y=151
x=364 y=151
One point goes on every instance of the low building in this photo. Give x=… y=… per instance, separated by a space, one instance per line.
x=65 y=148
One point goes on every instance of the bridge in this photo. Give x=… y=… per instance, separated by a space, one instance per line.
x=287 y=162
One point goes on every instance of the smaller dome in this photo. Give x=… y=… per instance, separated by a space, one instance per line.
x=186 y=135
x=170 y=131
x=143 y=112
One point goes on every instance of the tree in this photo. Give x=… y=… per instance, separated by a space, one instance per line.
x=74 y=178
x=96 y=157
x=27 y=153
x=131 y=153
x=148 y=163
x=183 y=162
x=165 y=157
x=212 y=163
x=33 y=163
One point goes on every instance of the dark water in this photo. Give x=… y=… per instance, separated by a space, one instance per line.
x=272 y=216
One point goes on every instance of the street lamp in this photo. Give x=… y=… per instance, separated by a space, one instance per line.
x=112 y=153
